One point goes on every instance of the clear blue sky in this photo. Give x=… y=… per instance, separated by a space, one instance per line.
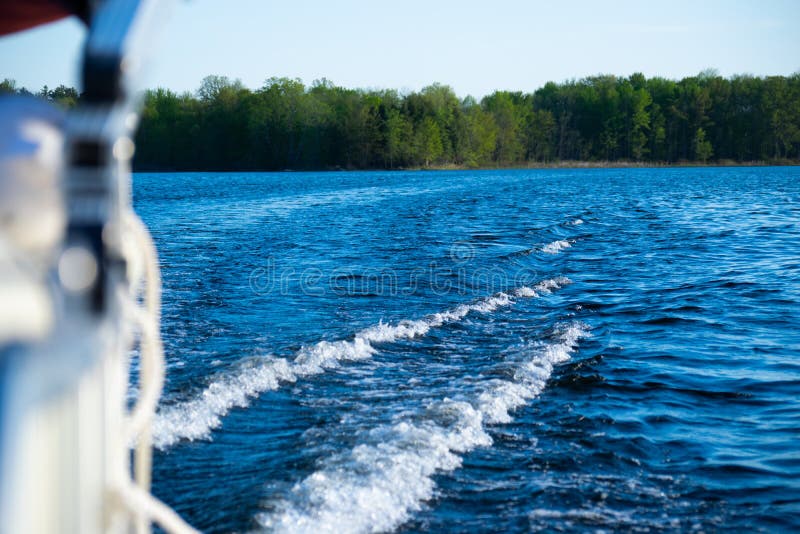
x=475 y=47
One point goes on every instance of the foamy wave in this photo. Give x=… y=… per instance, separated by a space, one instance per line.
x=555 y=247
x=576 y=222
x=378 y=484
x=547 y=286
x=530 y=378
x=375 y=486
x=196 y=418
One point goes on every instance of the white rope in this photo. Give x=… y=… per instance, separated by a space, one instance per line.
x=136 y=496
x=141 y=502
x=151 y=369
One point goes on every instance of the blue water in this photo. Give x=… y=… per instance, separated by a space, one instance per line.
x=470 y=351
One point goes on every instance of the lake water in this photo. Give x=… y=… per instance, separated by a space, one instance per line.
x=470 y=351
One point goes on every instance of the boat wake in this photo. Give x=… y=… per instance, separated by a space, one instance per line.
x=556 y=246
x=379 y=483
x=196 y=418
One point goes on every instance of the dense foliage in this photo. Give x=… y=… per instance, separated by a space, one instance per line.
x=61 y=95
x=286 y=125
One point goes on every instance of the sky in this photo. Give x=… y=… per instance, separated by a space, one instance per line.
x=475 y=47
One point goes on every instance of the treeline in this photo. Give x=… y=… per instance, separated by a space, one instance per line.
x=62 y=95
x=287 y=125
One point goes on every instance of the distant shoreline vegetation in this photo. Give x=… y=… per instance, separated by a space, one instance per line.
x=599 y=121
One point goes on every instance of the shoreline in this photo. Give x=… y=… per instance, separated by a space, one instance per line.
x=582 y=164
x=566 y=164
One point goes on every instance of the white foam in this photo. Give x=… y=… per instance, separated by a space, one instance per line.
x=377 y=485
x=555 y=247
x=547 y=286
x=196 y=418
x=577 y=222
x=530 y=378
x=525 y=292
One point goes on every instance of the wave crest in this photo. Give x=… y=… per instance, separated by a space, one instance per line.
x=556 y=246
x=196 y=418
x=377 y=485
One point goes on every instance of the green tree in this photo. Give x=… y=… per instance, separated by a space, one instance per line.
x=64 y=96
x=8 y=86
x=428 y=142
x=640 y=123
x=509 y=140
x=541 y=131
x=399 y=133
x=477 y=137
x=702 y=147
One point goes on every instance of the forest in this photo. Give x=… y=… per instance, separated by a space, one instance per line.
x=224 y=126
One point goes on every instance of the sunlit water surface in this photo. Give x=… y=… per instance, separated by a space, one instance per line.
x=469 y=351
